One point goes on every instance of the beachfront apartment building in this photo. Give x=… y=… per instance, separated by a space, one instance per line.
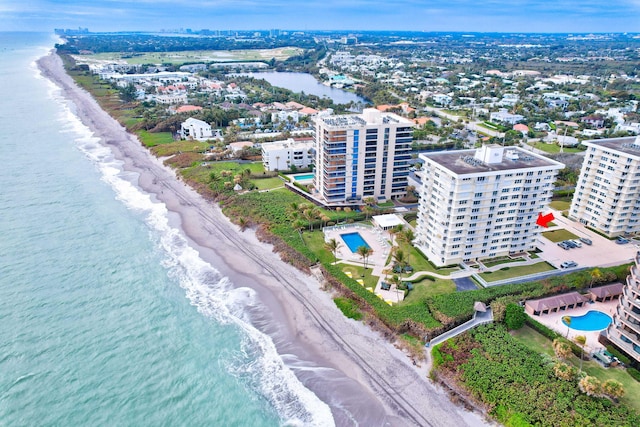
x=624 y=330
x=482 y=203
x=281 y=155
x=607 y=196
x=362 y=155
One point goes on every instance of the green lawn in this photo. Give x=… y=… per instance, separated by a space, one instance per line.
x=149 y=139
x=540 y=344
x=534 y=340
x=555 y=148
x=427 y=288
x=513 y=272
x=420 y=263
x=502 y=260
x=559 y=235
x=268 y=183
x=357 y=272
x=560 y=205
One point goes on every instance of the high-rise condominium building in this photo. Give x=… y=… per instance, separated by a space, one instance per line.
x=607 y=196
x=482 y=203
x=362 y=155
x=624 y=331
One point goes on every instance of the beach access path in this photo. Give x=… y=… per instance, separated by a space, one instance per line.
x=370 y=382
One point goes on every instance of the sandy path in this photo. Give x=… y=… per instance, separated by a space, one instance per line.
x=370 y=382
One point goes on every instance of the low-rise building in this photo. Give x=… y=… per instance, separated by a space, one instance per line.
x=505 y=117
x=281 y=155
x=196 y=129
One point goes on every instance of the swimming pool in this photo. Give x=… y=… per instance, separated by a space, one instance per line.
x=592 y=321
x=354 y=241
x=305 y=177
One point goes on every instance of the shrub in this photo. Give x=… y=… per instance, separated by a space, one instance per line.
x=621 y=357
x=635 y=374
x=564 y=371
x=514 y=316
x=348 y=307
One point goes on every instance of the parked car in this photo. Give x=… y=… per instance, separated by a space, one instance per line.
x=568 y=264
x=577 y=243
x=564 y=246
x=570 y=243
x=622 y=241
x=586 y=241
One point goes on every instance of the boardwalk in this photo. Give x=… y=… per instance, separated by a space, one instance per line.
x=479 y=318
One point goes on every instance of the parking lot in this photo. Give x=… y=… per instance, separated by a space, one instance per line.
x=602 y=253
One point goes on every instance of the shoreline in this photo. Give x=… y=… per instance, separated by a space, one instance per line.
x=370 y=381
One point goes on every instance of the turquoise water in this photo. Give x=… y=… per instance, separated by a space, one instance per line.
x=305 y=177
x=591 y=321
x=107 y=316
x=354 y=241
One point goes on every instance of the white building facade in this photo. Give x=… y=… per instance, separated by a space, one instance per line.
x=482 y=203
x=362 y=155
x=196 y=129
x=281 y=155
x=607 y=196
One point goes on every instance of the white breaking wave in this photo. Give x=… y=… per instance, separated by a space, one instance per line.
x=212 y=294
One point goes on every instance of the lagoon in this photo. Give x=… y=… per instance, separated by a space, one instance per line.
x=307 y=83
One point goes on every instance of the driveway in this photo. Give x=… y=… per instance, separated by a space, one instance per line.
x=602 y=253
x=465 y=284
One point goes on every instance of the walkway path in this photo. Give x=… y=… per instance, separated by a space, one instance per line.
x=479 y=318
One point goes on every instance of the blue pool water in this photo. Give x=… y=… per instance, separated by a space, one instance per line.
x=305 y=177
x=354 y=241
x=592 y=321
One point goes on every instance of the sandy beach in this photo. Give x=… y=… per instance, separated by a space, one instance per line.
x=368 y=381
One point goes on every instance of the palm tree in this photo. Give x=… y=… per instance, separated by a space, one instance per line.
x=333 y=245
x=399 y=259
x=596 y=275
x=298 y=225
x=243 y=223
x=561 y=348
x=581 y=340
x=364 y=252
x=567 y=320
x=396 y=230
x=613 y=389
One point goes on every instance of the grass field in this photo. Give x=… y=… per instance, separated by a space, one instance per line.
x=539 y=344
x=427 y=288
x=181 y=57
x=268 y=183
x=555 y=148
x=560 y=205
x=559 y=235
x=149 y=139
x=513 y=272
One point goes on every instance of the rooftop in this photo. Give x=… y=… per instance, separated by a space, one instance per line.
x=369 y=116
x=629 y=145
x=463 y=162
x=289 y=143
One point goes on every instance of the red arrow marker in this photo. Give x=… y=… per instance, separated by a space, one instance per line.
x=543 y=220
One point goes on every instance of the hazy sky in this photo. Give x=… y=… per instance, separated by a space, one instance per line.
x=422 y=15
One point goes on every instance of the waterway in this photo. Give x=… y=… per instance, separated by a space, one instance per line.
x=307 y=83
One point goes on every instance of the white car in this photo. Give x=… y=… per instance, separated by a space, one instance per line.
x=568 y=264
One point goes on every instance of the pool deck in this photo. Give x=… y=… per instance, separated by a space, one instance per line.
x=554 y=321
x=379 y=241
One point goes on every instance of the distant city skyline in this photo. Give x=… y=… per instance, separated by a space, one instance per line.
x=530 y=16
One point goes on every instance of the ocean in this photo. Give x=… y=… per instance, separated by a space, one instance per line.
x=107 y=316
